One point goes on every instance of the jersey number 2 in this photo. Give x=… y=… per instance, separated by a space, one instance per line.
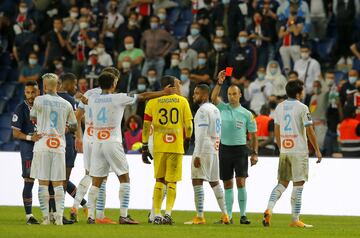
x=287 y=118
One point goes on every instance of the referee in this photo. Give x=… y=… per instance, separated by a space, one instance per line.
x=233 y=152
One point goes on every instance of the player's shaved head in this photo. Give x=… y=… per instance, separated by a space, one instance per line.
x=201 y=94
x=167 y=80
x=68 y=83
x=234 y=95
x=50 y=82
x=234 y=87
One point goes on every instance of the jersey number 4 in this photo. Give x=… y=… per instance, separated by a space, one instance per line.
x=172 y=115
x=101 y=116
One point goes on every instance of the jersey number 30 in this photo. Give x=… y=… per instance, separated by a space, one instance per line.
x=172 y=115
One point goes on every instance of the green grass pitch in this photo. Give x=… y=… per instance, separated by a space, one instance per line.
x=12 y=224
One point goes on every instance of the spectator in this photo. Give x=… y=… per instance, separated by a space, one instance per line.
x=174 y=69
x=131 y=28
x=349 y=134
x=243 y=59
x=278 y=81
x=344 y=12
x=56 y=43
x=25 y=43
x=93 y=69
x=302 y=11
x=23 y=17
x=319 y=14
x=152 y=77
x=136 y=55
x=71 y=24
x=156 y=44
x=80 y=45
x=196 y=41
x=58 y=67
x=220 y=32
x=259 y=91
x=188 y=56
x=265 y=132
x=31 y=71
x=203 y=17
x=142 y=86
x=83 y=85
x=238 y=10
x=133 y=133
x=111 y=25
x=308 y=69
x=220 y=19
x=185 y=82
x=293 y=75
x=104 y=58
x=163 y=24
x=129 y=76
x=334 y=115
x=349 y=87
x=268 y=9
x=290 y=35
x=355 y=49
x=318 y=108
x=260 y=37
x=218 y=57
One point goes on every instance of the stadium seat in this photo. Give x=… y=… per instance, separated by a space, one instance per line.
x=5 y=120
x=5 y=135
x=9 y=146
x=8 y=90
x=181 y=29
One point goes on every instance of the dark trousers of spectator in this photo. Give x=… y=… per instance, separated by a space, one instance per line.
x=330 y=145
x=345 y=33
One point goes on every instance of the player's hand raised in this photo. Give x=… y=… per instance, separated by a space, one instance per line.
x=146 y=154
x=221 y=77
x=78 y=145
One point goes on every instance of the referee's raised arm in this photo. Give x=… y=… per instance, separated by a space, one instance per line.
x=215 y=93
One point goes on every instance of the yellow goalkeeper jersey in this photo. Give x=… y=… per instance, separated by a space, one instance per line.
x=168 y=115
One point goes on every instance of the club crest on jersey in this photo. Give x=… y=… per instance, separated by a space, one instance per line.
x=308 y=115
x=169 y=138
x=103 y=135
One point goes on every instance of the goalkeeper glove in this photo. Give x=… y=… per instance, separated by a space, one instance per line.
x=146 y=154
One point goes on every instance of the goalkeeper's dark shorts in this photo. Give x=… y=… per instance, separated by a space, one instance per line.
x=233 y=159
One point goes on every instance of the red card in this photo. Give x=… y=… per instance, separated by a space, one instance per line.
x=228 y=71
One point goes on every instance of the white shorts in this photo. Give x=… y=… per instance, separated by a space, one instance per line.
x=87 y=149
x=209 y=168
x=48 y=166
x=108 y=155
x=293 y=167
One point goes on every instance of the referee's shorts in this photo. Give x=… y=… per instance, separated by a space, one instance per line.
x=233 y=158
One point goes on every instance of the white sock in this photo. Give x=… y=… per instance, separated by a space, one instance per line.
x=152 y=212
x=28 y=216
x=296 y=202
x=124 y=197
x=82 y=188
x=275 y=195
x=93 y=195
x=199 y=200
x=100 y=203
x=59 y=200
x=44 y=197
x=219 y=194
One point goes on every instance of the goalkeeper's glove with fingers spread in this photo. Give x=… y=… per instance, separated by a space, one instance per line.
x=146 y=154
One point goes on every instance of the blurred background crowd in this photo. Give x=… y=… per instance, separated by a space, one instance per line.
x=267 y=42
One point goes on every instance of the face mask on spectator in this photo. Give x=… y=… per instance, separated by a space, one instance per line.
x=273 y=71
x=242 y=40
x=317 y=90
x=133 y=126
x=141 y=87
x=83 y=25
x=100 y=50
x=129 y=46
x=183 y=45
x=126 y=65
x=225 y=1
x=261 y=76
x=174 y=62
x=132 y=23
x=184 y=77
x=74 y=15
x=23 y=10
x=154 y=25
x=162 y=16
x=58 y=66
x=218 y=46
x=201 y=61
x=32 y=61
x=194 y=31
x=329 y=82
x=304 y=55
x=152 y=80
x=352 y=79
x=219 y=33
x=93 y=60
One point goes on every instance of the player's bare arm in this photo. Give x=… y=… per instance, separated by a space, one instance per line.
x=215 y=93
x=22 y=136
x=312 y=137
x=277 y=135
x=78 y=134
x=168 y=90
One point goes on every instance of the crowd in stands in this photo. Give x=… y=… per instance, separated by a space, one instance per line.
x=267 y=42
